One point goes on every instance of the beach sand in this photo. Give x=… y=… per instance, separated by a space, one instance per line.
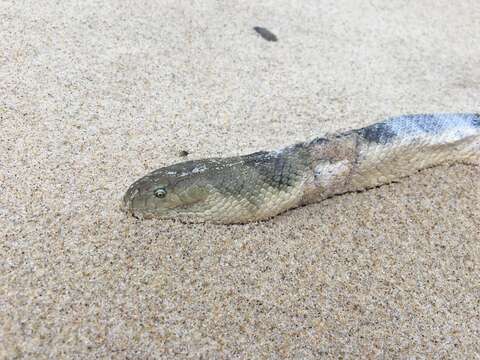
x=95 y=94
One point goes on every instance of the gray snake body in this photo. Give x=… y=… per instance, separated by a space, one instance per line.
x=263 y=184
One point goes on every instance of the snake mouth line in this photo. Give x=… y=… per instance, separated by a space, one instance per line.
x=137 y=213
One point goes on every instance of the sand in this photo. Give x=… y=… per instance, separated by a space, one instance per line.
x=95 y=94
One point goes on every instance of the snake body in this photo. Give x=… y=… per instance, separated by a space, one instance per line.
x=261 y=185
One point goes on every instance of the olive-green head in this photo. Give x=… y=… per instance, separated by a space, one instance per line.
x=177 y=191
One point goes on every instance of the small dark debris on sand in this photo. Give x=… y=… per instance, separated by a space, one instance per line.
x=265 y=33
x=183 y=153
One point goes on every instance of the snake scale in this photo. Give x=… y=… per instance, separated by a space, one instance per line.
x=261 y=185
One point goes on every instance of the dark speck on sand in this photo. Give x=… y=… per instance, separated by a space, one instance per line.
x=265 y=33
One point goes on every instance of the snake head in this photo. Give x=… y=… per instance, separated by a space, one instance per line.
x=175 y=191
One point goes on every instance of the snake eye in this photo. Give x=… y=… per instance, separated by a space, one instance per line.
x=160 y=192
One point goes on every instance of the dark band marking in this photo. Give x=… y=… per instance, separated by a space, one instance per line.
x=380 y=133
x=476 y=120
x=275 y=170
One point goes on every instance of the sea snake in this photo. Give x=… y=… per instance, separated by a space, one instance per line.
x=261 y=185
